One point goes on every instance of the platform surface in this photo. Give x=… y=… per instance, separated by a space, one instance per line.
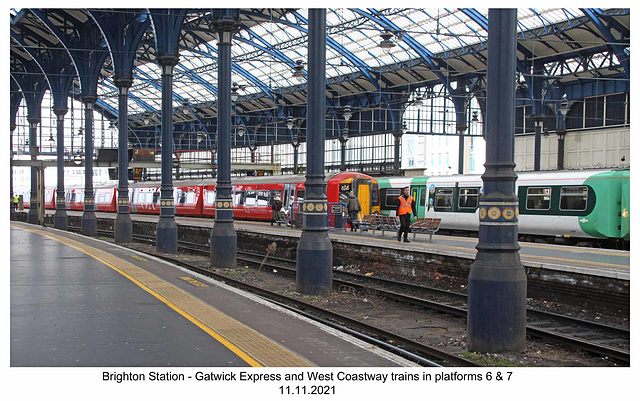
x=591 y=261
x=78 y=301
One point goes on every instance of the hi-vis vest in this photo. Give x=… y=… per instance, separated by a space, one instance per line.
x=405 y=205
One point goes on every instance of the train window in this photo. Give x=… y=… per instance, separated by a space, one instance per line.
x=237 y=198
x=468 y=198
x=263 y=198
x=156 y=197
x=300 y=195
x=211 y=197
x=250 y=198
x=276 y=194
x=72 y=198
x=423 y=196
x=191 y=198
x=391 y=199
x=538 y=198
x=48 y=195
x=573 y=198
x=100 y=198
x=444 y=197
x=375 y=196
x=182 y=198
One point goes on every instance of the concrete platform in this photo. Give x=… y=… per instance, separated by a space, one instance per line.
x=606 y=263
x=78 y=301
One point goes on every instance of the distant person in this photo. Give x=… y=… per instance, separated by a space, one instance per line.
x=16 y=201
x=353 y=208
x=276 y=207
x=405 y=207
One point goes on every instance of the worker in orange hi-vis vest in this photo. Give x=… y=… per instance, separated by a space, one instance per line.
x=406 y=206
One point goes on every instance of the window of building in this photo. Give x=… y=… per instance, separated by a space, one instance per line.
x=538 y=198
x=573 y=198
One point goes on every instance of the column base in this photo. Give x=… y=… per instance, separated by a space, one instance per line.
x=224 y=245
x=61 y=220
x=167 y=235
x=32 y=216
x=123 y=229
x=89 y=224
x=314 y=263
x=497 y=304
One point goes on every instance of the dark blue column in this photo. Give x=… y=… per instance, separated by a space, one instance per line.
x=315 y=253
x=89 y=225
x=123 y=229
x=223 y=238
x=61 y=220
x=167 y=230
x=497 y=294
x=12 y=210
x=33 y=148
x=343 y=151
x=397 y=137
x=537 y=114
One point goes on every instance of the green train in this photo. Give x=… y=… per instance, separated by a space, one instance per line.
x=563 y=206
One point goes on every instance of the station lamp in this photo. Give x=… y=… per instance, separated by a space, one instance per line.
x=386 y=44
x=240 y=131
x=347 y=113
x=290 y=122
x=418 y=101
x=298 y=71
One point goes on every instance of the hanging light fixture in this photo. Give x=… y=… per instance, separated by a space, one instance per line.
x=418 y=101
x=51 y=138
x=290 y=122
x=240 y=131
x=386 y=44
x=298 y=71
x=404 y=127
x=234 y=92
x=474 y=116
x=347 y=114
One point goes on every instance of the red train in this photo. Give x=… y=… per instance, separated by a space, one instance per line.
x=252 y=196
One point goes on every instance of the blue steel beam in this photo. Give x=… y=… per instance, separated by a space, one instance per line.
x=596 y=16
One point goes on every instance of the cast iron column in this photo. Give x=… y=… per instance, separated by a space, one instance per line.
x=397 y=136
x=33 y=148
x=343 y=151
x=12 y=210
x=61 y=221
x=167 y=230
x=497 y=295
x=89 y=223
x=223 y=235
x=295 y=145
x=315 y=253
x=123 y=229
x=461 y=128
x=537 y=122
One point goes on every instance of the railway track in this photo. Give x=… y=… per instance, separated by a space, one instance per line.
x=598 y=339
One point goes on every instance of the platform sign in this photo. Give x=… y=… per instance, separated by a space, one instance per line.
x=336 y=209
x=137 y=174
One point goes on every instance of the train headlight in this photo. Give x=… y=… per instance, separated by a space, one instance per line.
x=625 y=213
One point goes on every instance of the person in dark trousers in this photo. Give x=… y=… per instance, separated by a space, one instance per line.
x=276 y=206
x=405 y=207
x=353 y=208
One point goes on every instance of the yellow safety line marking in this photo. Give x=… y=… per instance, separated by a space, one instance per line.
x=233 y=348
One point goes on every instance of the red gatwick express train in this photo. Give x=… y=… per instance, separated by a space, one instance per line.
x=252 y=196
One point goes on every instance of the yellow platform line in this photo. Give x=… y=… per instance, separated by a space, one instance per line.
x=251 y=346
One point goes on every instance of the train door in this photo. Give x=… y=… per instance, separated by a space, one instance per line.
x=364 y=196
x=288 y=196
x=419 y=194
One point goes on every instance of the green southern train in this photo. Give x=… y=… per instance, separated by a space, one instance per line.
x=561 y=205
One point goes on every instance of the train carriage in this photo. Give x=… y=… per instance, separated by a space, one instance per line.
x=561 y=204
